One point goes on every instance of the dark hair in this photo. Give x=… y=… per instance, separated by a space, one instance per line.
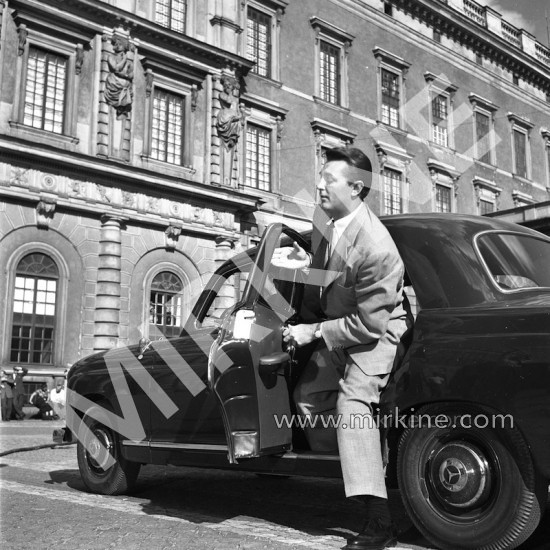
x=357 y=159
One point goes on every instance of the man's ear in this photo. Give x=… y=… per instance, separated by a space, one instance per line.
x=357 y=187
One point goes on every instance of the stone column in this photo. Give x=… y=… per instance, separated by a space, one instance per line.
x=228 y=293
x=107 y=309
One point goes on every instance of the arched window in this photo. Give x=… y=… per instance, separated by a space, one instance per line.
x=34 y=310
x=165 y=305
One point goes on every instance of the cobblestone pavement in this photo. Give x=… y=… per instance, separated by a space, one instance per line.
x=43 y=504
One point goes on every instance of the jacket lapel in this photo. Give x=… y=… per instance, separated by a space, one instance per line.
x=345 y=246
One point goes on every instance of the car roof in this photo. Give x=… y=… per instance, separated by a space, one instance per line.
x=442 y=260
x=440 y=256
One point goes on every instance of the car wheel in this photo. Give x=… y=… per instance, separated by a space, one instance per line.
x=102 y=467
x=466 y=488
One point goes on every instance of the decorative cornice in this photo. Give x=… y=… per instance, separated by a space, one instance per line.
x=225 y=22
x=90 y=17
x=263 y=104
x=518 y=196
x=324 y=27
x=478 y=182
x=390 y=58
x=436 y=166
x=520 y=121
x=440 y=82
x=478 y=101
x=324 y=127
x=461 y=28
x=105 y=171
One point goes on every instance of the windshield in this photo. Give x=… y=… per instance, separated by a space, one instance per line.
x=516 y=261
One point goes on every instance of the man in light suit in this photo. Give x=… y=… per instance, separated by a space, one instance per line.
x=359 y=323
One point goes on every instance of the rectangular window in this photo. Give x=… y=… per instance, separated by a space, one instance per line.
x=483 y=143
x=392 y=191
x=32 y=338
x=171 y=14
x=486 y=207
x=45 y=91
x=443 y=198
x=258 y=157
x=440 y=113
x=390 y=98
x=258 y=41
x=167 y=127
x=520 y=153
x=329 y=73
x=437 y=36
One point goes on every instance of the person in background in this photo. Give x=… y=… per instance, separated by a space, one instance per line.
x=18 y=393
x=39 y=399
x=6 y=395
x=58 y=397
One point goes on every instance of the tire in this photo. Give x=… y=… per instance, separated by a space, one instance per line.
x=94 y=447
x=467 y=488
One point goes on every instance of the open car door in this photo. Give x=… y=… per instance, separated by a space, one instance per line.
x=248 y=368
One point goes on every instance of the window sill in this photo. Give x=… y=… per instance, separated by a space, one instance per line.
x=489 y=165
x=522 y=178
x=393 y=129
x=334 y=106
x=159 y=166
x=255 y=192
x=44 y=137
x=267 y=80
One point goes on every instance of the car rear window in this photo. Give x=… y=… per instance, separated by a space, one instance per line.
x=516 y=261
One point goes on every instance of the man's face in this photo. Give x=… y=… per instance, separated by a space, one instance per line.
x=336 y=196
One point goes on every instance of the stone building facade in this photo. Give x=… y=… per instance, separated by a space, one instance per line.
x=143 y=142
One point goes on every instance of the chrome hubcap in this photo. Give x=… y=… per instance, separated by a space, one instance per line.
x=460 y=475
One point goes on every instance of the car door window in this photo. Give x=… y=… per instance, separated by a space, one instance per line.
x=228 y=291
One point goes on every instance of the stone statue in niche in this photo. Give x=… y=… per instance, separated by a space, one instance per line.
x=119 y=82
x=230 y=119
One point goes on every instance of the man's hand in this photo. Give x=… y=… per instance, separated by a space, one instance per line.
x=299 y=335
x=290 y=257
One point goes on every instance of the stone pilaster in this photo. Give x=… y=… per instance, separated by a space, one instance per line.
x=107 y=309
x=225 y=248
x=216 y=145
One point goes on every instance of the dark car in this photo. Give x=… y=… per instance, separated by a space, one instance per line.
x=465 y=418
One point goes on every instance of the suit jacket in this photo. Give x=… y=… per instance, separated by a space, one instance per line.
x=362 y=294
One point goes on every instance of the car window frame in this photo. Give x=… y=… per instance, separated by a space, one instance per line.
x=494 y=283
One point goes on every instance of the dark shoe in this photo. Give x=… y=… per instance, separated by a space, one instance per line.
x=374 y=536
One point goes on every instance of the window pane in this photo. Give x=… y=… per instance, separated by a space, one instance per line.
x=486 y=207
x=258 y=157
x=520 y=148
x=329 y=73
x=34 y=306
x=258 y=42
x=442 y=198
x=171 y=14
x=439 y=120
x=390 y=98
x=45 y=91
x=167 y=131
x=392 y=192
x=482 y=136
x=165 y=305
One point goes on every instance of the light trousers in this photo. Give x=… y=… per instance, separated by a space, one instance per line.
x=332 y=385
